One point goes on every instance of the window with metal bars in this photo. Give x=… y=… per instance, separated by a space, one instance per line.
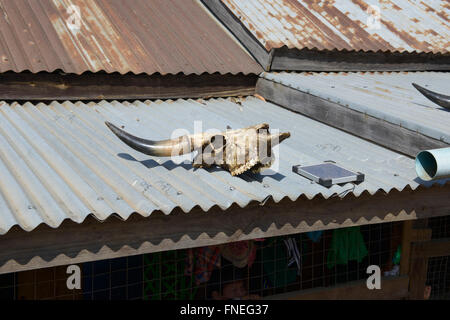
x=254 y=269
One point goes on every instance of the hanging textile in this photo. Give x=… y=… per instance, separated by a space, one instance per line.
x=206 y=259
x=314 y=235
x=293 y=254
x=347 y=244
x=274 y=259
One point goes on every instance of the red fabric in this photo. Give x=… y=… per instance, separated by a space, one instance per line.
x=206 y=259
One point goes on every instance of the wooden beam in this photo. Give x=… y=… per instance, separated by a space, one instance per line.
x=418 y=235
x=419 y=264
x=392 y=288
x=406 y=247
x=247 y=39
x=98 y=86
x=91 y=240
x=362 y=125
x=418 y=278
x=323 y=60
x=433 y=248
x=411 y=236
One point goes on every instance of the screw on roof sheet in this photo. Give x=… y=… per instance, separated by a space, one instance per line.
x=179 y=193
x=100 y=199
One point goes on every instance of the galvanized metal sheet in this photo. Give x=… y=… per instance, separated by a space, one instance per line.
x=383 y=95
x=368 y=25
x=138 y=36
x=59 y=161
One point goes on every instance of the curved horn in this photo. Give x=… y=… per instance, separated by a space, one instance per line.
x=439 y=99
x=164 y=148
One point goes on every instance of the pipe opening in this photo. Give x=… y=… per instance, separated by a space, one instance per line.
x=426 y=166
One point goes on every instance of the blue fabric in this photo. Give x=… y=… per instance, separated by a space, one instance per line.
x=314 y=235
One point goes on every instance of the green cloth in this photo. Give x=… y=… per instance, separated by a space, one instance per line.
x=397 y=255
x=347 y=244
x=275 y=264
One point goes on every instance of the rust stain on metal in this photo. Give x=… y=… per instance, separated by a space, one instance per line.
x=406 y=37
x=413 y=26
x=137 y=36
x=383 y=89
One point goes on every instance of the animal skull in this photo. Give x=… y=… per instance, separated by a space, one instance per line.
x=234 y=150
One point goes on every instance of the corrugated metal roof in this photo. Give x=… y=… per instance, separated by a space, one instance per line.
x=405 y=25
x=138 y=36
x=59 y=161
x=383 y=95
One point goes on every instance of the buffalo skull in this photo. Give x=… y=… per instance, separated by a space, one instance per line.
x=236 y=151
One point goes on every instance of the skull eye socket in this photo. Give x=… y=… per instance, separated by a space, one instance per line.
x=264 y=131
x=217 y=142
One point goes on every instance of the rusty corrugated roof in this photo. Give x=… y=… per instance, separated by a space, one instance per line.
x=138 y=36
x=386 y=25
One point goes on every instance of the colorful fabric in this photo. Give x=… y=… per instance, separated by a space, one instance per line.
x=347 y=244
x=206 y=259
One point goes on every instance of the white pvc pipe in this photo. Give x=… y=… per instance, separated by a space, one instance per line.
x=433 y=164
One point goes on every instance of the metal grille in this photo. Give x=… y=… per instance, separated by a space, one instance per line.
x=438 y=278
x=165 y=275
x=41 y=284
x=318 y=268
x=440 y=227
